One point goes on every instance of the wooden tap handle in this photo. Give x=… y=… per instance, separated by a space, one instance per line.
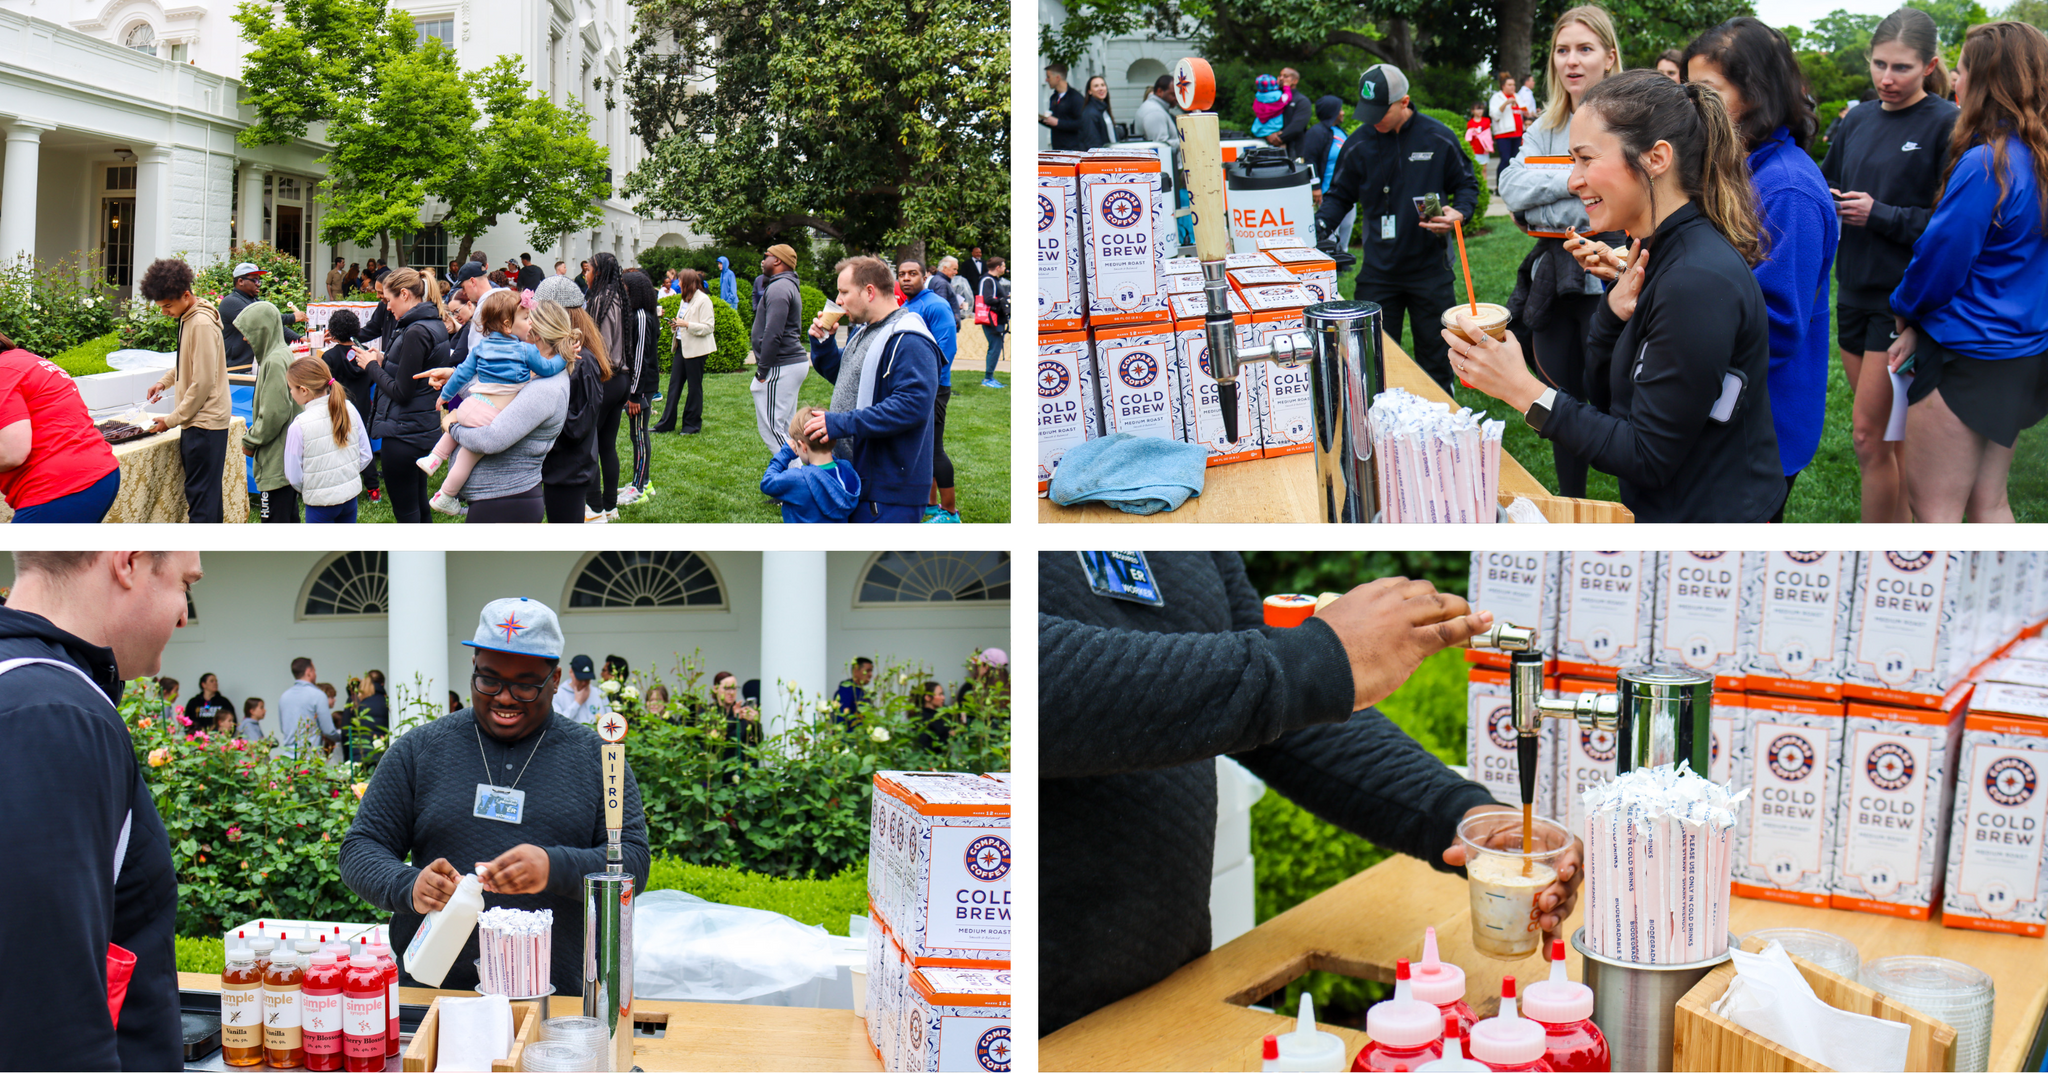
x=1204 y=178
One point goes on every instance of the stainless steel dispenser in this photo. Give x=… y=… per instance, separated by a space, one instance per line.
x=608 y=915
x=1664 y=715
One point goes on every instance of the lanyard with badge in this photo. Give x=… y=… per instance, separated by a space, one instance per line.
x=506 y=804
x=1121 y=575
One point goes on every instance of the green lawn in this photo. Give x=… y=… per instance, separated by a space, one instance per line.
x=1829 y=490
x=715 y=476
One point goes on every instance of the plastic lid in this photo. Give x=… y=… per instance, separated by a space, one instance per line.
x=263 y=944
x=1558 y=1000
x=1915 y=977
x=306 y=946
x=1404 y=1023
x=1823 y=948
x=1507 y=1040
x=1307 y=1048
x=1271 y=1048
x=323 y=960
x=1435 y=981
x=1454 y=1060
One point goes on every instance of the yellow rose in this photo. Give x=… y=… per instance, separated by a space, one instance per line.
x=359 y=788
x=159 y=757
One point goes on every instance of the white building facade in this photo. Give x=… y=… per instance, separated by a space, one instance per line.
x=799 y=617
x=120 y=119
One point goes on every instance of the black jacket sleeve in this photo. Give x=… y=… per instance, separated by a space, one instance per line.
x=1343 y=191
x=1299 y=115
x=1067 y=109
x=407 y=358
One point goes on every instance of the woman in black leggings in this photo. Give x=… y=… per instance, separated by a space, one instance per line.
x=612 y=310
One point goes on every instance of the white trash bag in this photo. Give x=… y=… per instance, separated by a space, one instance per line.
x=686 y=949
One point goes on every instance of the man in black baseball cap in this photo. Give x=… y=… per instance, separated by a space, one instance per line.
x=576 y=699
x=1395 y=158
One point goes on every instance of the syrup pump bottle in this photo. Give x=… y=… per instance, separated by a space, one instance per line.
x=1441 y=984
x=1454 y=1060
x=241 y=1007
x=283 y=1045
x=1573 y=1043
x=320 y=1001
x=1405 y=1031
x=1509 y=1043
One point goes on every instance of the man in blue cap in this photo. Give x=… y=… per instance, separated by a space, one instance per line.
x=505 y=789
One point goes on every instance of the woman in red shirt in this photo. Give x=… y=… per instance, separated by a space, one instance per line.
x=56 y=467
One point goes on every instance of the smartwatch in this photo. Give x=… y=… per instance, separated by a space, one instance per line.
x=1539 y=411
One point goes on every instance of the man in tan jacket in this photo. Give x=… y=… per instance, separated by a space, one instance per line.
x=334 y=280
x=200 y=378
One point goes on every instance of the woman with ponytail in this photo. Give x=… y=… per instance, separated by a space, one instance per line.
x=326 y=447
x=1972 y=306
x=1885 y=167
x=1678 y=362
x=407 y=415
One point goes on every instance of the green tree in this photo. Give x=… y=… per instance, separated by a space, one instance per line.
x=2031 y=12
x=529 y=157
x=1840 y=31
x=307 y=56
x=880 y=124
x=405 y=140
x=1953 y=18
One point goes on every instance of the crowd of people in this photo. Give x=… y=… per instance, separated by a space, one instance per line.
x=1671 y=322
x=518 y=384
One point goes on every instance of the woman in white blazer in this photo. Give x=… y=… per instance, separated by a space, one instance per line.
x=694 y=343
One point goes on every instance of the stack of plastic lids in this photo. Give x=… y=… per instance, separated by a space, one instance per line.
x=586 y=1033
x=557 y=1056
x=1945 y=990
x=1823 y=948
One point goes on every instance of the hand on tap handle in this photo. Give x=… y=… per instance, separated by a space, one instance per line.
x=1388 y=627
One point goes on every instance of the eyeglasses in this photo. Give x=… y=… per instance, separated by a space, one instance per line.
x=491 y=687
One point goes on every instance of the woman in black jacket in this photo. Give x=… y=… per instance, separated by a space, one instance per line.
x=1098 y=119
x=407 y=415
x=205 y=704
x=645 y=309
x=609 y=307
x=1679 y=355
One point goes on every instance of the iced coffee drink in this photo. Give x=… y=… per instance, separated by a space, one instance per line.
x=1492 y=318
x=1504 y=880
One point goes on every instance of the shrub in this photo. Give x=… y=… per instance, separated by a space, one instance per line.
x=89 y=357
x=808 y=900
x=814 y=302
x=50 y=308
x=727 y=329
x=143 y=328
x=202 y=953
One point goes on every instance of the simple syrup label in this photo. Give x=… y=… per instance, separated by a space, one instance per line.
x=363 y=1026
x=241 y=1017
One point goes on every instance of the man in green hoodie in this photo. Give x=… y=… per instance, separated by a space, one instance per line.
x=273 y=412
x=200 y=378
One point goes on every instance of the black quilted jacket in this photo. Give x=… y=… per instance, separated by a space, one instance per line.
x=1135 y=703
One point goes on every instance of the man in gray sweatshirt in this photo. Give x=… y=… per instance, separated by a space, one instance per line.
x=780 y=358
x=304 y=716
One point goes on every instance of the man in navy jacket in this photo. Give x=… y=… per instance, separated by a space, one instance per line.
x=884 y=385
x=70 y=787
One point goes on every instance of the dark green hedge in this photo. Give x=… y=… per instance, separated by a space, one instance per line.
x=728 y=330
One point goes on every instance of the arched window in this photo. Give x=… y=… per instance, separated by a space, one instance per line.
x=896 y=578
x=141 y=37
x=645 y=580
x=348 y=584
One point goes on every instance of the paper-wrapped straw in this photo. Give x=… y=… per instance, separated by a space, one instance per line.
x=1434 y=464
x=1658 y=847
x=513 y=951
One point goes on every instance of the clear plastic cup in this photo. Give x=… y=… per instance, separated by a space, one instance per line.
x=557 y=1056
x=1493 y=318
x=1504 y=879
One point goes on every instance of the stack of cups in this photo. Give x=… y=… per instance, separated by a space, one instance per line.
x=1823 y=948
x=587 y=1033
x=1946 y=991
x=557 y=1056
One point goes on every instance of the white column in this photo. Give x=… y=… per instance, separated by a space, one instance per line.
x=418 y=631
x=18 y=187
x=152 y=207
x=249 y=213
x=792 y=636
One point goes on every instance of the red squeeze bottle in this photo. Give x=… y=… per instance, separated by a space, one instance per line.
x=1441 y=984
x=390 y=966
x=320 y=1003
x=363 y=1025
x=1405 y=1032
x=1573 y=1043
x=1508 y=1042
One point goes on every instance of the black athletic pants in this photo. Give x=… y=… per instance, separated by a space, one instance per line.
x=685 y=373
x=204 y=451
x=1560 y=349
x=942 y=464
x=1423 y=300
x=404 y=483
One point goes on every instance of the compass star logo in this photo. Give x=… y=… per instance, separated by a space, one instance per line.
x=1183 y=85
x=1791 y=757
x=992 y=1050
x=1047 y=212
x=511 y=627
x=1139 y=369
x=1053 y=379
x=1889 y=766
x=2010 y=781
x=988 y=858
x=1122 y=209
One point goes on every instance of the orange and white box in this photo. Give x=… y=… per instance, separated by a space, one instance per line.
x=1249 y=259
x=1491 y=749
x=2019 y=672
x=1699 y=613
x=1795 y=624
x=1723 y=742
x=1183 y=284
x=1184 y=266
x=956 y=1019
x=1135 y=363
x=939 y=866
x=1605 y=612
x=1905 y=613
x=1891 y=825
x=1287 y=417
x=2034 y=649
x=1313 y=269
x=1790 y=758
x=1196 y=306
x=1201 y=413
x=1263 y=275
x=1062 y=303
x=1125 y=229
x=1278 y=298
x=1067 y=400
x=1585 y=758
x=1997 y=878
x=878 y=1009
x=1519 y=587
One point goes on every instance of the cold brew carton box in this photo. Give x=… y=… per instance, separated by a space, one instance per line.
x=1997 y=878
x=1067 y=399
x=1904 y=615
x=1891 y=822
x=1196 y=306
x=1201 y=409
x=2033 y=649
x=1606 y=612
x=1249 y=259
x=1313 y=269
x=1277 y=298
x=2019 y=672
x=1287 y=420
x=1519 y=587
x=1699 y=613
x=1724 y=740
x=1586 y=757
x=1183 y=284
x=1135 y=363
x=1062 y=304
x=1790 y=759
x=957 y=1019
x=1265 y=275
x=1127 y=232
x=939 y=866
x=877 y=1009
x=1795 y=621
x=1491 y=749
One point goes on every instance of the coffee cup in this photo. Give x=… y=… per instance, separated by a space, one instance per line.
x=1503 y=879
x=1493 y=319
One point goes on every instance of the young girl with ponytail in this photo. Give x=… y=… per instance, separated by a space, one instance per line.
x=1678 y=360
x=326 y=447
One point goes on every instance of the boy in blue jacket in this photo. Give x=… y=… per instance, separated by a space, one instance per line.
x=822 y=489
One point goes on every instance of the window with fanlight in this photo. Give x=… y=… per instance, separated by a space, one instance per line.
x=348 y=584
x=900 y=578
x=141 y=37
x=645 y=581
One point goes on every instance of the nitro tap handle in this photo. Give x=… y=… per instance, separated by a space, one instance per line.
x=1203 y=157
x=612 y=728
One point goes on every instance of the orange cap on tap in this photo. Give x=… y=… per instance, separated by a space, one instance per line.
x=1289 y=609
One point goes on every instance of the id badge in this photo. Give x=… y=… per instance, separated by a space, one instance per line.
x=1387 y=228
x=500 y=803
x=1121 y=575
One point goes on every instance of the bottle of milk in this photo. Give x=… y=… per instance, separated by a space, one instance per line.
x=442 y=935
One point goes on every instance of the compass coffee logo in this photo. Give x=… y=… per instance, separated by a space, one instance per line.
x=988 y=858
x=1047 y=214
x=2010 y=781
x=1806 y=558
x=1500 y=726
x=1706 y=556
x=1597 y=744
x=1791 y=757
x=992 y=1050
x=1138 y=369
x=1909 y=561
x=1122 y=209
x=1889 y=766
x=1053 y=379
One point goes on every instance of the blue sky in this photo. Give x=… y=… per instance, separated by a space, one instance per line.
x=1801 y=13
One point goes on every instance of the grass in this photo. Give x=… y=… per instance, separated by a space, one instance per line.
x=1830 y=489
x=90 y=356
x=715 y=476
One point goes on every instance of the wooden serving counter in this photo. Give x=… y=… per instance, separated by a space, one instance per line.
x=705 y=1035
x=1283 y=489
x=1196 y=1018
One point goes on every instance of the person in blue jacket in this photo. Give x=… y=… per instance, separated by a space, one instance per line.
x=936 y=310
x=1752 y=67
x=822 y=489
x=728 y=284
x=1973 y=304
x=884 y=386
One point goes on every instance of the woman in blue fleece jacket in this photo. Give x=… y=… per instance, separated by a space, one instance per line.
x=1973 y=305
x=1752 y=67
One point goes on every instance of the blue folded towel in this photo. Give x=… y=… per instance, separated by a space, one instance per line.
x=1134 y=474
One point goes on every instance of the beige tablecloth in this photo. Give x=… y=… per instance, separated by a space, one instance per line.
x=153 y=480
